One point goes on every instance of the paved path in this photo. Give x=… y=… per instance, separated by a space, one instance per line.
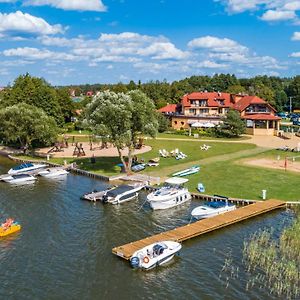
x=260 y=141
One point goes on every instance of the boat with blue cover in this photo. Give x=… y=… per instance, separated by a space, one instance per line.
x=211 y=209
x=25 y=167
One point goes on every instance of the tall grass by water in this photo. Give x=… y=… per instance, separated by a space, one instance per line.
x=275 y=261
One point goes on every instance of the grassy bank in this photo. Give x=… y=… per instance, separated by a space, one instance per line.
x=221 y=170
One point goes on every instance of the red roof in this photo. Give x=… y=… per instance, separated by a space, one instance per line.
x=247 y=100
x=262 y=117
x=211 y=97
x=170 y=108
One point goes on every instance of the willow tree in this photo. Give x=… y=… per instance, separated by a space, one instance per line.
x=26 y=124
x=122 y=119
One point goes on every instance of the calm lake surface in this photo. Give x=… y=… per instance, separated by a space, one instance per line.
x=64 y=248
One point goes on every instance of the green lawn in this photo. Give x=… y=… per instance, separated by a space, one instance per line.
x=229 y=179
x=191 y=149
x=222 y=171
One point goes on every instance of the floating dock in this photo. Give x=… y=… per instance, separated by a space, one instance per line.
x=192 y=230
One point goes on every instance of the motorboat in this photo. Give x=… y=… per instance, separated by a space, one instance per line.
x=9 y=227
x=189 y=171
x=53 y=172
x=26 y=167
x=211 y=209
x=19 y=178
x=96 y=195
x=154 y=255
x=121 y=194
x=173 y=193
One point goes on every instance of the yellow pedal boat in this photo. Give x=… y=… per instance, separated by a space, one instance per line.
x=9 y=227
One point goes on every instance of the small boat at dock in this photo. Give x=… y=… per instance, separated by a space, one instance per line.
x=154 y=255
x=190 y=171
x=9 y=227
x=122 y=193
x=95 y=195
x=25 y=167
x=211 y=209
x=18 y=178
x=173 y=193
x=53 y=172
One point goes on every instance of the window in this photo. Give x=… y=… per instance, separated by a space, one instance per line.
x=192 y=111
x=175 y=122
x=203 y=102
x=182 y=123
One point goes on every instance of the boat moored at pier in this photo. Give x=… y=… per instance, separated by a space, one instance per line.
x=53 y=172
x=211 y=209
x=154 y=255
x=122 y=194
x=173 y=193
x=25 y=167
x=18 y=178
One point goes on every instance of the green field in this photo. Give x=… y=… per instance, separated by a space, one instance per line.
x=222 y=171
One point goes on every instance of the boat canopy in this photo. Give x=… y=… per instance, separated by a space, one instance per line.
x=119 y=190
x=23 y=166
x=176 y=180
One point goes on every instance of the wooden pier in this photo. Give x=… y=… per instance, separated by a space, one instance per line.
x=192 y=230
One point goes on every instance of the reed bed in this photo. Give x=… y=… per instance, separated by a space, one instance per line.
x=276 y=261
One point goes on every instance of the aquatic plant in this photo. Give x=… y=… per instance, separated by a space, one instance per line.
x=276 y=261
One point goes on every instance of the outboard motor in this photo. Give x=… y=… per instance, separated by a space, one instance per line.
x=135 y=262
x=105 y=199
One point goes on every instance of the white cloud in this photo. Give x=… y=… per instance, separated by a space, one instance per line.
x=81 y=5
x=273 y=10
x=37 y=54
x=208 y=64
x=296 y=36
x=163 y=51
x=216 y=44
x=295 y=54
x=277 y=15
x=294 y=5
x=25 y=23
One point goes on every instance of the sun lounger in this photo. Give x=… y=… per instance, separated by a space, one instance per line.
x=161 y=153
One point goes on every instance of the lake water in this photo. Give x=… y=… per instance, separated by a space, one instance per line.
x=64 y=248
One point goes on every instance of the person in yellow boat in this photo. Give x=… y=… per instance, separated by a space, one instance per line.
x=7 y=223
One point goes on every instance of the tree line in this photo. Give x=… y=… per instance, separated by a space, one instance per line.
x=274 y=90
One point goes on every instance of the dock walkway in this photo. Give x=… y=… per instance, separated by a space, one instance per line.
x=192 y=230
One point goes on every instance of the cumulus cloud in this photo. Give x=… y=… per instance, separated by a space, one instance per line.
x=273 y=10
x=296 y=36
x=277 y=15
x=87 y=5
x=163 y=51
x=37 y=54
x=216 y=44
x=295 y=54
x=19 y=22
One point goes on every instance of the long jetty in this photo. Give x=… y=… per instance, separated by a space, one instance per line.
x=198 y=228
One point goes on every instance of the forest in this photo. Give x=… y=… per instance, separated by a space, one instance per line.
x=277 y=91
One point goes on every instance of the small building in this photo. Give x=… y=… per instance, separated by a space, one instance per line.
x=208 y=108
x=259 y=116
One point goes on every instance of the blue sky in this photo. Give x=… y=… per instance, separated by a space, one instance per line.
x=93 y=41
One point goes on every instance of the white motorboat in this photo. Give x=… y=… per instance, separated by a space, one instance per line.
x=154 y=255
x=53 y=172
x=19 y=178
x=211 y=209
x=26 y=167
x=170 y=195
x=121 y=194
x=96 y=195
